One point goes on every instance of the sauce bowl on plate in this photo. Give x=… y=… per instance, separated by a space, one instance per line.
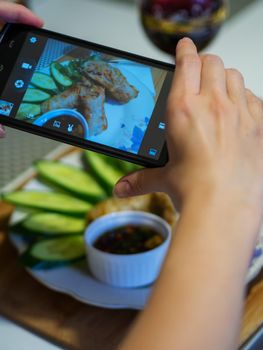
x=126 y=270
x=65 y=120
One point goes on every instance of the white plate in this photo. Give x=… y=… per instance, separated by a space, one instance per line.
x=76 y=280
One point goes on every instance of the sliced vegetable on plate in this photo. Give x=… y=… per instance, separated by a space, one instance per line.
x=35 y=96
x=59 y=73
x=45 y=82
x=54 y=252
x=126 y=167
x=122 y=165
x=72 y=179
x=49 y=201
x=48 y=231
x=102 y=168
x=50 y=225
x=28 y=111
x=73 y=70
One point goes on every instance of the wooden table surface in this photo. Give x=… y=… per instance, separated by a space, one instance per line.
x=69 y=323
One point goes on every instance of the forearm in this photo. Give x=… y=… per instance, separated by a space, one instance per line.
x=209 y=256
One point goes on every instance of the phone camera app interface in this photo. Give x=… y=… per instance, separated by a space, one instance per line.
x=90 y=95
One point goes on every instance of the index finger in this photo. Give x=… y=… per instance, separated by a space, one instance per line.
x=187 y=78
x=14 y=13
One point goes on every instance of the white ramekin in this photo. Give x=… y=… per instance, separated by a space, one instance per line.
x=133 y=270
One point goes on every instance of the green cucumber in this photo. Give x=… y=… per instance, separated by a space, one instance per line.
x=71 y=179
x=49 y=201
x=126 y=167
x=54 y=252
x=28 y=112
x=73 y=70
x=103 y=170
x=59 y=74
x=35 y=96
x=50 y=224
x=45 y=82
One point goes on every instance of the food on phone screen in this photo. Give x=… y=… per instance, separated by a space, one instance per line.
x=68 y=123
x=116 y=85
x=87 y=95
x=35 y=96
x=28 y=111
x=88 y=99
x=45 y=82
x=59 y=73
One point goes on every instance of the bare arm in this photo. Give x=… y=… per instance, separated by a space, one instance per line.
x=214 y=176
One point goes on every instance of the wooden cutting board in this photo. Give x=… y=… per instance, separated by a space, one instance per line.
x=69 y=323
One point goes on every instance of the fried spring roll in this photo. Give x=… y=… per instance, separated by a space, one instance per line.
x=88 y=99
x=111 y=78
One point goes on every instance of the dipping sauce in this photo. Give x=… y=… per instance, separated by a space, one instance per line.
x=66 y=124
x=129 y=239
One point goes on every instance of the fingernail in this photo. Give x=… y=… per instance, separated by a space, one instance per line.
x=186 y=39
x=122 y=189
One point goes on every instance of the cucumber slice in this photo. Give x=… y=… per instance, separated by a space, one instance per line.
x=103 y=170
x=36 y=96
x=59 y=74
x=45 y=82
x=71 y=179
x=73 y=70
x=126 y=167
x=59 y=249
x=28 y=112
x=50 y=253
x=50 y=224
x=49 y=201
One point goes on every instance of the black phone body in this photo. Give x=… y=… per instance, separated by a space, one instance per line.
x=81 y=93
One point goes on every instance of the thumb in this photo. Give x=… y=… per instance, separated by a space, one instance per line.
x=140 y=182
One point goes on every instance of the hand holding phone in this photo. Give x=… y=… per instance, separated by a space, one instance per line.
x=214 y=137
x=85 y=94
x=14 y=13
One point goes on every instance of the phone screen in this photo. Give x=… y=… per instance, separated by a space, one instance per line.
x=89 y=94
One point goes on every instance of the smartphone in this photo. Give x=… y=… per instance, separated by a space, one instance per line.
x=81 y=93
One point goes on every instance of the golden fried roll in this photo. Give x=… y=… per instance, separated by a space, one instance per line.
x=66 y=99
x=92 y=100
x=88 y=99
x=156 y=203
x=111 y=78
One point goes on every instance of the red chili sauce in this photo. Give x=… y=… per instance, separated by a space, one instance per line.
x=129 y=239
